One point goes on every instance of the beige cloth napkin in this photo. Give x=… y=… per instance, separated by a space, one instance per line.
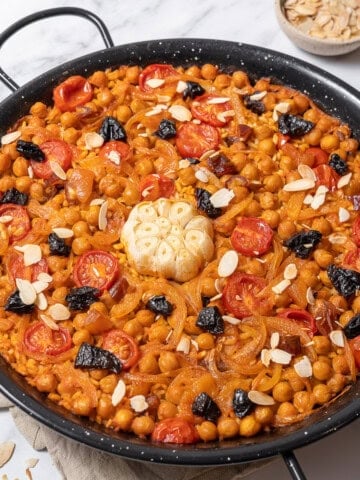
x=79 y=462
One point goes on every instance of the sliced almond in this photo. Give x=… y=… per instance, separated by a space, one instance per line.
x=44 y=277
x=337 y=238
x=6 y=219
x=195 y=344
x=156 y=110
x=40 y=286
x=310 y=296
x=290 y=272
x=63 y=232
x=345 y=180
x=102 y=222
x=27 y=292
x=207 y=154
x=260 y=398
x=318 y=201
x=258 y=96
x=280 y=356
x=93 y=140
x=222 y=197
x=202 y=175
x=303 y=368
x=31 y=462
x=139 y=403
x=184 y=163
x=32 y=254
x=59 y=312
x=155 y=82
x=6 y=451
x=344 y=215
x=274 y=339
x=10 y=137
x=217 y=100
x=97 y=201
x=231 y=320
x=308 y=199
x=183 y=345
x=337 y=338
x=49 y=322
x=265 y=357
x=118 y=393
x=41 y=302
x=180 y=113
x=216 y=297
x=228 y=263
x=223 y=116
x=30 y=171
x=115 y=157
x=299 y=185
x=218 y=284
x=181 y=86
x=57 y=169
x=281 y=286
x=163 y=98
x=282 y=107
x=306 y=172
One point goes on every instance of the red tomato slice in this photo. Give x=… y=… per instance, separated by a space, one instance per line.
x=326 y=176
x=175 y=430
x=203 y=109
x=356 y=231
x=156 y=70
x=96 y=269
x=319 y=155
x=352 y=259
x=252 y=236
x=123 y=346
x=72 y=93
x=55 y=151
x=194 y=140
x=355 y=348
x=240 y=295
x=39 y=338
x=155 y=185
x=301 y=316
x=20 y=224
x=115 y=152
x=17 y=269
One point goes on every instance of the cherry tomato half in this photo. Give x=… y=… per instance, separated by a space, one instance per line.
x=155 y=185
x=72 y=92
x=39 y=338
x=193 y=140
x=251 y=236
x=327 y=176
x=240 y=295
x=203 y=109
x=17 y=269
x=356 y=231
x=319 y=155
x=175 y=430
x=355 y=348
x=156 y=70
x=56 y=151
x=20 y=224
x=96 y=269
x=301 y=316
x=123 y=346
x=352 y=259
x=115 y=152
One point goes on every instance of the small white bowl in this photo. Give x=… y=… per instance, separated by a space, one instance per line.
x=318 y=46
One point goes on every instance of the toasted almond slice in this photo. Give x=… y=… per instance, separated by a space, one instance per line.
x=344 y=215
x=41 y=302
x=265 y=357
x=290 y=272
x=222 y=197
x=299 y=185
x=303 y=368
x=183 y=345
x=115 y=157
x=6 y=219
x=139 y=403
x=97 y=201
x=181 y=86
x=44 y=277
x=306 y=172
x=6 y=451
x=280 y=356
x=337 y=238
x=228 y=263
x=231 y=320
x=49 y=322
x=258 y=96
x=218 y=284
x=216 y=297
x=202 y=175
x=93 y=140
x=57 y=169
x=10 y=137
x=27 y=292
x=260 y=398
x=308 y=199
x=156 y=110
x=59 y=312
x=317 y=201
x=207 y=154
x=337 y=338
x=195 y=344
x=155 y=82
x=30 y=171
x=196 y=121
x=281 y=286
x=32 y=254
x=274 y=339
x=102 y=216
x=345 y=180
x=310 y=296
x=40 y=286
x=217 y=100
x=180 y=113
x=63 y=232
x=163 y=98
x=31 y=462
x=184 y=163
x=118 y=393
x=282 y=107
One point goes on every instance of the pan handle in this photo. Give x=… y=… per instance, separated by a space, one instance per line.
x=51 y=12
x=293 y=466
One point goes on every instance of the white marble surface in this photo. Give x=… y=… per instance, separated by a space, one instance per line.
x=51 y=42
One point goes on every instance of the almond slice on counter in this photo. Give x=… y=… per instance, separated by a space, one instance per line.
x=6 y=451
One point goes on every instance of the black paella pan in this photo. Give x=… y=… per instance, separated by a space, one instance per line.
x=330 y=93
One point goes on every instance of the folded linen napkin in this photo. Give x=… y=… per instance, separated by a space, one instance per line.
x=80 y=462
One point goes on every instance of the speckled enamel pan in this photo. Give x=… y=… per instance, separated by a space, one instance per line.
x=330 y=93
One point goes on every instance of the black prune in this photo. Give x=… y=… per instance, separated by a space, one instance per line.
x=159 y=305
x=255 y=106
x=192 y=90
x=210 y=319
x=111 y=129
x=166 y=129
x=58 y=246
x=241 y=403
x=204 y=204
x=14 y=196
x=352 y=328
x=30 y=150
x=338 y=164
x=89 y=356
x=192 y=161
x=345 y=281
x=303 y=243
x=293 y=125
x=221 y=165
x=205 y=407
x=205 y=300
x=81 y=298
x=16 y=305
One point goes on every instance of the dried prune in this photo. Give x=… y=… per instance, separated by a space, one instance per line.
x=291 y=344
x=303 y=243
x=111 y=129
x=204 y=204
x=58 y=246
x=30 y=150
x=293 y=125
x=205 y=407
x=16 y=305
x=338 y=164
x=14 y=196
x=192 y=161
x=241 y=403
x=210 y=319
x=255 y=106
x=352 y=328
x=221 y=165
x=345 y=281
x=159 y=305
x=166 y=129
x=81 y=298
x=192 y=90
x=90 y=356
x=205 y=300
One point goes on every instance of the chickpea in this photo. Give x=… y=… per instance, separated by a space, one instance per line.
x=286 y=409
x=207 y=431
x=271 y=217
x=166 y=409
x=253 y=209
x=193 y=71
x=205 y=341
x=266 y=166
x=312 y=115
x=132 y=74
x=137 y=105
x=287 y=163
x=148 y=364
x=108 y=383
x=81 y=405
x=282 y=392
x=133 y=327
x=71 y=135
x=267 y=146
x=329 y=142
x=263 y=415
x=23 y=184
x=208 y=287
x=340 y=365
x=346 y=317
x=254 y=267
x=303 y=401
x=145 y=317
x=356 y=305
x=144 y=167
x=37 y=191
x=301 y=102
x=190 y=326
x=208 y=71
x=249 y=426
x=262 y=132
x=227 y=428
x=68 y=119
x=168 y=362
x=105 y=97
x=5 y=162
x=97 y=374
x=321 y=393
x=81 y=245
x=294 y=380
x=81 y=228
x=323 y=276
x=131 y=194
x=339 y=301
x=267 y=200
x=222 y=81
x=20 y=167
x=350 y=145
x=123 y=419
x=81 y=336
x=322 y=344
x=322 y=371
x=159 y=331
x=10 y=150
x=109 y=185
x=39 y=109
x=143 y=425
x=187 y=176
x=322 y=225
x=46 y=382
x=286 y=228
x=323 y=258
x=239 y=159
x=71 y=215
x=56 y=263
x=123 y=113
x=250 y=172
x=336 y=383
x=273 y=183
x=240 y=79
x=269 y=101
x=59 y=294
x=105 y=408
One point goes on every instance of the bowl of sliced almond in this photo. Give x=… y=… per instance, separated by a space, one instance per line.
x=322 y=27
